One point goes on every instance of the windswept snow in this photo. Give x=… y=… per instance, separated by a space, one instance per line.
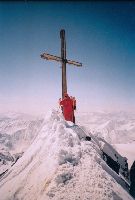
x=61 y=165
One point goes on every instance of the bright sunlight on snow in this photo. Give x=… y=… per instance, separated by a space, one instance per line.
x=60 y=164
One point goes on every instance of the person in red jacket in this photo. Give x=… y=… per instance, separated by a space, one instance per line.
x=67 y=108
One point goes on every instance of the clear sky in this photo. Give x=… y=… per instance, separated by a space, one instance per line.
x=101 y=35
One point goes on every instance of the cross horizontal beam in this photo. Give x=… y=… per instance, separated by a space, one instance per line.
x=71 y=62
x=59 y=59
x=50 y=57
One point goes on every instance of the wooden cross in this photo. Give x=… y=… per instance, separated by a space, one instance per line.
x=63 y=60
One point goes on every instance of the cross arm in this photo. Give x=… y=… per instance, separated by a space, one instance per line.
x=50 y=57
x=59 y=59
x=71 y=62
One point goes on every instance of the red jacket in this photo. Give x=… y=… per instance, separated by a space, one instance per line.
x=68 y=110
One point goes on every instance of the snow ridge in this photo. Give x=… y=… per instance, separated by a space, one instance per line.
x=59 y=165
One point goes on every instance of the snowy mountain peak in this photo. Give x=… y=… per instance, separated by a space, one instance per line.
x=61 y=164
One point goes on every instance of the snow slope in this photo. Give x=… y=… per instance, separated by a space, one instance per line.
x=60 y=164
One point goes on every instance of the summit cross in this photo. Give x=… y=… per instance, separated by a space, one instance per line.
x=63 y=60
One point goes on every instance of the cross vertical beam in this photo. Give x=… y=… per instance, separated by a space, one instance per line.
x=63 y=61
x=63 y=57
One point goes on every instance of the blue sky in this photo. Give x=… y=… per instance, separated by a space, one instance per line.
x=101 y=35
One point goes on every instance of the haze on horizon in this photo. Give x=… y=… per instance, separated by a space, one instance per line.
x=101 y=35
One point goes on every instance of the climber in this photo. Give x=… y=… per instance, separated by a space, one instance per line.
x=67 y=107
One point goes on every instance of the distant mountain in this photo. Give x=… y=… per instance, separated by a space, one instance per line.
x=17 y=132
x=118 y=127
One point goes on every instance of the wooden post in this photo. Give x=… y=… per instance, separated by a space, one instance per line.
x=63 y=57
